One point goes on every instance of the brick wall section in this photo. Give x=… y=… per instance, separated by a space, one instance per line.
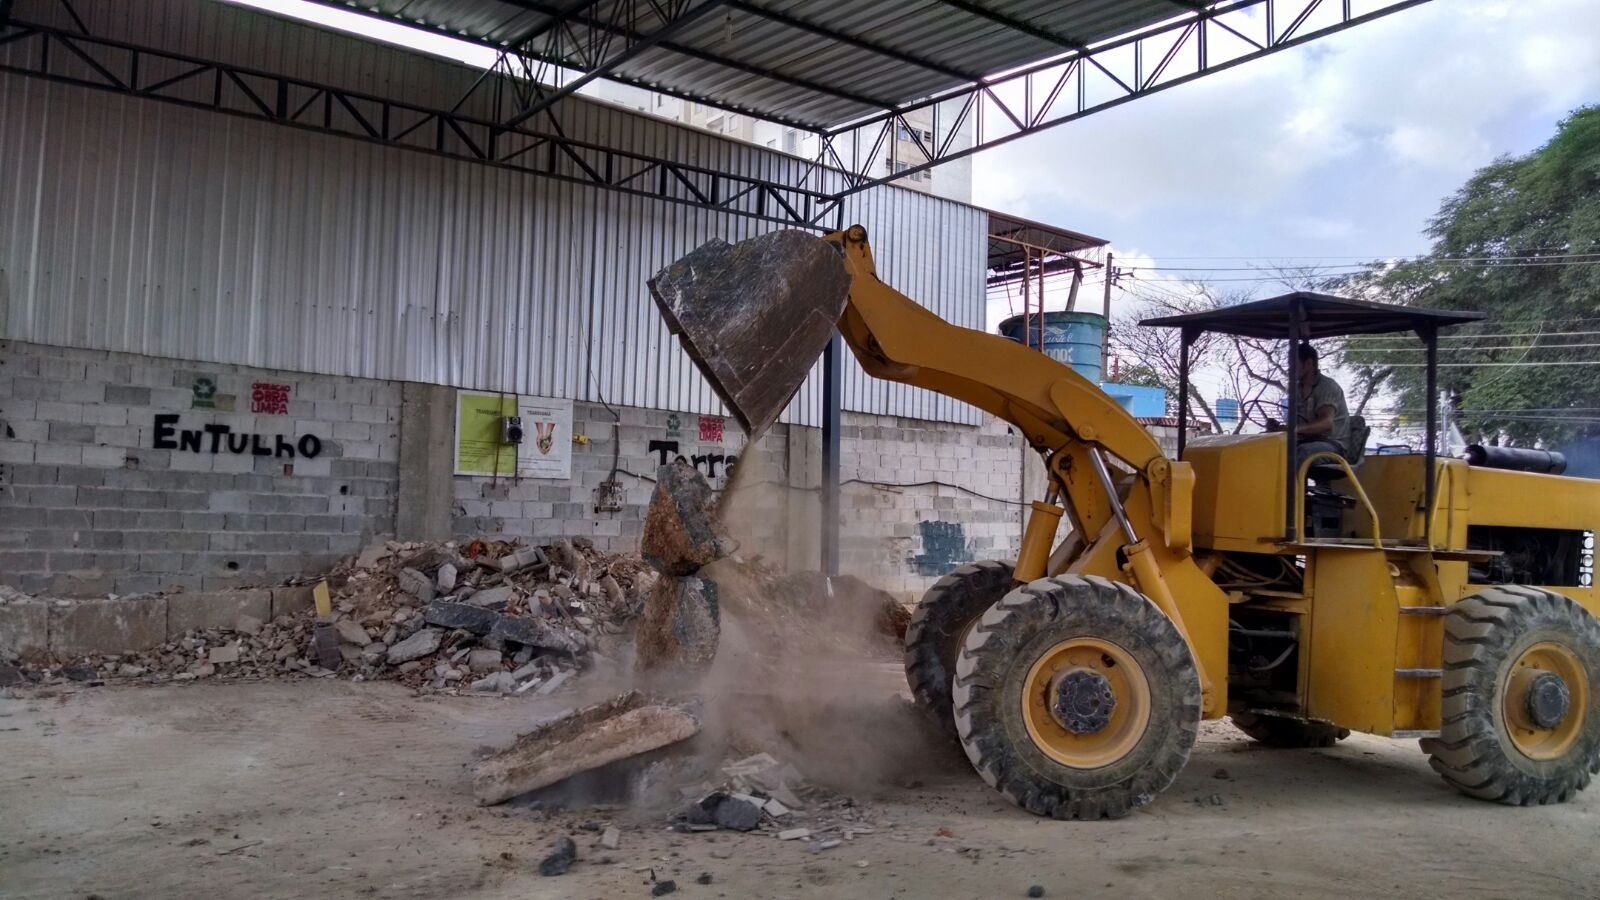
x=89 y=505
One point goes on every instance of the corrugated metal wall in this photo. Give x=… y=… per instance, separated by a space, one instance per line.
x=139 y=226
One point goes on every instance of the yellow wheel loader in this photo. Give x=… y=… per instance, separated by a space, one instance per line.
x=1402 y=595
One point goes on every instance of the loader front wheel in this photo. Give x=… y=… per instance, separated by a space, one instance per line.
x=1077 y=698
x=1280 y=731
x=939 y=625
x=1520 y=708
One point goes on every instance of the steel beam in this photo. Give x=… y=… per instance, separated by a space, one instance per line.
x=853 y=41
x=1058 y=90
x=67 y=57
x=672 y=21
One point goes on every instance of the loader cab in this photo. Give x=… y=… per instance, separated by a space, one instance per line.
x=1250 y=493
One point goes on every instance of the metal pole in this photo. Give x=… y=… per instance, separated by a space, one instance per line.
x=1183 y=389
x=1291 y=423
x=1105 y=337
x=832 y=386
x=1430 y=336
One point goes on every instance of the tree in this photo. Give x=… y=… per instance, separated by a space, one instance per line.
x=1520 y=241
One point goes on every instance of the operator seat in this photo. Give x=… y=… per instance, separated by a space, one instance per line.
x=1324 y=505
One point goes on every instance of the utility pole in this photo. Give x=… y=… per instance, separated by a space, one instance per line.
x=1105 y=337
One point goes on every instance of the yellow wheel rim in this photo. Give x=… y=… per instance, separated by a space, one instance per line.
x=1530 y=739
x=1122 y=729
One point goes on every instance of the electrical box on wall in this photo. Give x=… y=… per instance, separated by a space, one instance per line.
x=511 y=430
x=608 y=497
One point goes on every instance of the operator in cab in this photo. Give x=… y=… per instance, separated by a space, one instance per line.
x=1323 y=421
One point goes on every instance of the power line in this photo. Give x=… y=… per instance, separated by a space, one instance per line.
x=1588 y=362
x=1472 y=349
x=1582 y=258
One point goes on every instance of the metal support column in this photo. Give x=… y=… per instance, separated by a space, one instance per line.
x=832 y=389
x=1431 y=449
x=1291 y=423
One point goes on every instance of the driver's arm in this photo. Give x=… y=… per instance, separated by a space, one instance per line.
x=1321 y=426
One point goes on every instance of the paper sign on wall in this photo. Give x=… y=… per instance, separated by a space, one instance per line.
x=546 y=448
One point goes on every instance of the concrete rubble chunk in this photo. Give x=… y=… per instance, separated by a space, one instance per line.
x=228 y=653
x=248 y=625
x=494 y=598
x=446 y=578
x=682 y=531
x=579 y=741
x=560 y=859
x=352 y=633
x=680 y=626
x=555 y=681
x=611 y=838
x=416 y=646
x=531 y=557
x=794 y=834
x=498 y=683
x=535 y=633
x=416 y=584
x=481 y=661
x=734 y=813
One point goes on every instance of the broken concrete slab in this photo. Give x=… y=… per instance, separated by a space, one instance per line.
x=680 y=626
x=465 y=616
x=108 y=626
x=534 y=633
x=204 y=610
x=417 y=646
x=445 y=578
x=481 y=661
x=288 y=601
x=24 y=628
x=494 y=598
x=227 y=653
x=579 y=741
x=681 y=529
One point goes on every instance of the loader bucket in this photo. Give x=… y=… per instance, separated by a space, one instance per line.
x=754 y=316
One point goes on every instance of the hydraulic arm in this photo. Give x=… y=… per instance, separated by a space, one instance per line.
x=1129 y=506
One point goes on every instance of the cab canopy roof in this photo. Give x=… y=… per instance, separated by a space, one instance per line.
x=1318 y=315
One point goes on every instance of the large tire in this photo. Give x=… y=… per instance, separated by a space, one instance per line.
x=1500 y=647
x=1280 y=731
x=940 y=622
x=1014 y=670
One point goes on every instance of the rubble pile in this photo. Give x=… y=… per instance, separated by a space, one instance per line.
x=487 y=616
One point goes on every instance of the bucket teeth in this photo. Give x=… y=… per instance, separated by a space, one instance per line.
x=754 y=316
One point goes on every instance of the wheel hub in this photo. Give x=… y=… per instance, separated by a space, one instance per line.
x=1548 y=700
x=1084 y=702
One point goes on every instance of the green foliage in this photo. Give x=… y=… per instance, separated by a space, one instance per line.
x=1141 y=375
x=1545 y=204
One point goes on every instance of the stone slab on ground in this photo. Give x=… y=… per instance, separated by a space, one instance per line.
x=24 y=627
x=215 y=609
x=108 y=626
x=579 y=741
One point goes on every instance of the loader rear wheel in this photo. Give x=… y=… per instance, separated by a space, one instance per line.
x=1521 y=697
x=939 y=625
x=1280 y=731
x=1077 y=698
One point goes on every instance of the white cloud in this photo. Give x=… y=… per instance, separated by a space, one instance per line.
x=1421 y=89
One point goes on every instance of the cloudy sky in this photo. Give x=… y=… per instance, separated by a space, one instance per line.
x=1343 y=147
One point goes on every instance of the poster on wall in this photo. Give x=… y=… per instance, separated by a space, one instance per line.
x=478 y=447
x=546 y=448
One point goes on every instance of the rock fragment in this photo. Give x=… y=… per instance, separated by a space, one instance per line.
x=416 y=646
x=560 y=859
x=682 y=531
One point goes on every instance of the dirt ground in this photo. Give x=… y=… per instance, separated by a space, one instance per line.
x=334 y=789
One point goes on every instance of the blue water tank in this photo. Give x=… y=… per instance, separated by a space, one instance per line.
x=1075 y=338
x=1227 y=410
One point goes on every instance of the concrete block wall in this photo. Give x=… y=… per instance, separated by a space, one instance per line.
x=111 y=482
x=966 y=503
x=641 y=440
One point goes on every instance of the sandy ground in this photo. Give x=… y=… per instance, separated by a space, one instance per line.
x=333 y=789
